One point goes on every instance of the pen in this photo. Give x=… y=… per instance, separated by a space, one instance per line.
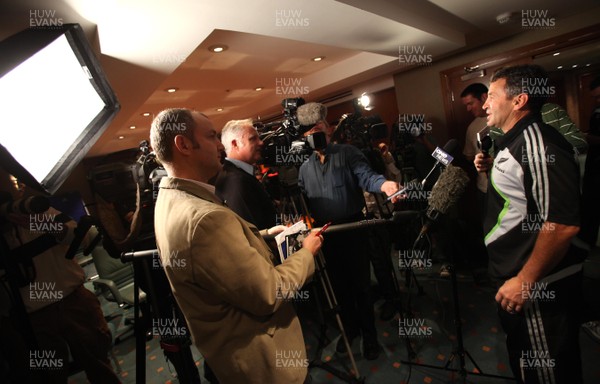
x=323 y=229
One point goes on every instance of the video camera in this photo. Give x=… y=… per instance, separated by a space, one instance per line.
x=360 y=130
x=117 y=183
x=284 y=141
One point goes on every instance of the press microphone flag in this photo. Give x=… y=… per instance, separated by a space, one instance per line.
x=442 y=156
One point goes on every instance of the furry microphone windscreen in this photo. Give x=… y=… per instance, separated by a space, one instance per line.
x=311 y=113
x=448 y=189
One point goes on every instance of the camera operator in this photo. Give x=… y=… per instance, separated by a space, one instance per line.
x=236 y=184
x=333 y=179
x=64 y=315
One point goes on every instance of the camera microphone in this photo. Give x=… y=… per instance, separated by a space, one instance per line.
x=311 y=113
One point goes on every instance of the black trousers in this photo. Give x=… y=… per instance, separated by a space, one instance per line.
x=349 y=269
x=543 y=339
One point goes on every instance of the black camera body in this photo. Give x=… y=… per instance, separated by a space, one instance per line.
x=284 y=141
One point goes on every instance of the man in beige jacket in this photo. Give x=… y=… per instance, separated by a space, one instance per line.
x=220 y=269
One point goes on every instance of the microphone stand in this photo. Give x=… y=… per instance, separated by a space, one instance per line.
x=459 y=352
x=400 y=217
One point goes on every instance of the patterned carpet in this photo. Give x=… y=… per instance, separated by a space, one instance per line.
x=432 y=337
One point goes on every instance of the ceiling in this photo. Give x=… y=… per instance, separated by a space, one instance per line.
x=147 y=46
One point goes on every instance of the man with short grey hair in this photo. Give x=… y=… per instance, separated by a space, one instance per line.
x=236 y=184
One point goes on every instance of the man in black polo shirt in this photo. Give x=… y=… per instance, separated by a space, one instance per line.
x=532 y=216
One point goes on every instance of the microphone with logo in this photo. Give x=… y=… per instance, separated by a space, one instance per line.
x=443 y=157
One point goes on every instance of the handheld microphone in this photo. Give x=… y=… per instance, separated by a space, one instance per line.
x=398 y=218
x=445 y=193
x=484 y=141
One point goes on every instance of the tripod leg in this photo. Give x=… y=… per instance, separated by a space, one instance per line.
x=178 y=352
x=473 y=362
x=397 y=300
x=323 y=328
x=332 y=302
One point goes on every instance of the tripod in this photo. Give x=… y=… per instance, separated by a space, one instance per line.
x=294 y=198
x=321 y=274
x=177 y=351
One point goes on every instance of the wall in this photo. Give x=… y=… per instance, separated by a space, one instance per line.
x=419 y=91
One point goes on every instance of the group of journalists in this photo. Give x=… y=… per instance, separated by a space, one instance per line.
x=213 y=211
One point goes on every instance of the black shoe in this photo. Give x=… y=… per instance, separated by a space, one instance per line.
x=340 y=347
x=371 y=349
x=388 y=310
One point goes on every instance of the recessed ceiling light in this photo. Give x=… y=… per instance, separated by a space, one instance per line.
x=132 y=127
x=219 y=109
x=318 y=58
x=172 y=90
x=121 y=137
x=146 y=114
x=556 y=54
x=574 y=65
x=258 y=89
x=587 y=65
x=218 y=48
x=559 y=67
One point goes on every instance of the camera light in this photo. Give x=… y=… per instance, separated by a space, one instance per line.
x=365 y=101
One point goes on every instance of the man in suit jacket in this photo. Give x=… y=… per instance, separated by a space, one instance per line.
x=220 y=268
x=236 y=183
